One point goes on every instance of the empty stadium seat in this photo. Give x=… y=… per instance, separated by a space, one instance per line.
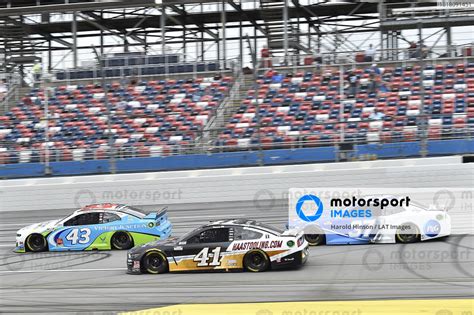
x=305 y=106
x=144 y=117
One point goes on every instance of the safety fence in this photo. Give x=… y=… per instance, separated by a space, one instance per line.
x=345 y=141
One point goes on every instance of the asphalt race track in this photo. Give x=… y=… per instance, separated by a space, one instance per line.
x=96 y=281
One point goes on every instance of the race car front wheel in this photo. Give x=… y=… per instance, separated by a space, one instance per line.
x=407 y=233
x=121 y=240
x=154 y=262
x=36 y=243
x=256 y=261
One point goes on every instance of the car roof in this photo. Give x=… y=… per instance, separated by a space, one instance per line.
x=239 y=221
x=112 y=207
x=242 y=222
x=103 y=206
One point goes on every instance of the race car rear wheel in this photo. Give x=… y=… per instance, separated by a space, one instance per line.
x=315 y=239
x=121 y=240
x=256 y=261
x=36 y=243
x=409 y=234
x=154 y=262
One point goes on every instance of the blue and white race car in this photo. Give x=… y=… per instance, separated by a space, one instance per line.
x=400 y=224
x=95 y=227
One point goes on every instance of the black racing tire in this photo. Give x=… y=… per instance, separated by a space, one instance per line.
x=154 y=262
x=121 y=240
x=316 y=239
x=256 y=261
x=36 y=243
x=410 y=236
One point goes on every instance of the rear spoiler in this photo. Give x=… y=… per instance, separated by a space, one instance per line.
x=157 y=215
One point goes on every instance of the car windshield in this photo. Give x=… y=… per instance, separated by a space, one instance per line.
x=67 y=216
x=187 y=235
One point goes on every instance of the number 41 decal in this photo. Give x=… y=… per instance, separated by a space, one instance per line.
x=203 y=257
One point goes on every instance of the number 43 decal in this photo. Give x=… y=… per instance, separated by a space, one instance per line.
x=74 y=237
x=203 y=257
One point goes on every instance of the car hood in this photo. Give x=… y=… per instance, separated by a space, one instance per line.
x=39 y=227
x=161 y=244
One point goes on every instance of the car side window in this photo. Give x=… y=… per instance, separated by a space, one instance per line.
x=217 y=235
x=109 y=217
x=246 y=234
x=193 y=239
x=84 y=219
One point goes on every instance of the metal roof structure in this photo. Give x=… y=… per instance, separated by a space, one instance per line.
x=31 y=28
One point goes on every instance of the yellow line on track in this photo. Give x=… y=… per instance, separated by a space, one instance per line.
x=381 y=307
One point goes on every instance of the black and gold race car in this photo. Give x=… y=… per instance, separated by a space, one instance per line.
x=222 y=245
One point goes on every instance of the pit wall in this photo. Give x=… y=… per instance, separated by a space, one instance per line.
x=236 y=159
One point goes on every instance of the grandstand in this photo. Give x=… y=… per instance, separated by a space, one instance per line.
x=141 y=85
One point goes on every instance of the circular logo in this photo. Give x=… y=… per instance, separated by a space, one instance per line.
x=309 y=200
x=264 y=199
x=84 y=197
x=373 y=260
x=432 y=228
x=444 y=199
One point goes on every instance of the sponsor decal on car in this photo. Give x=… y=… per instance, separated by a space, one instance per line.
x=432 y=228
x=257 y=245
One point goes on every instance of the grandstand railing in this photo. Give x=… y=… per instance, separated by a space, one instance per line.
x=53 y=154
x=388 y=57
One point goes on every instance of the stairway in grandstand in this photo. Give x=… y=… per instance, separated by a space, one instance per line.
x=15 y=93
x=247 y=83
x=272 y=14
x=237 y=95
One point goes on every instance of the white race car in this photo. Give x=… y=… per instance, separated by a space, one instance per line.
x=407 y=224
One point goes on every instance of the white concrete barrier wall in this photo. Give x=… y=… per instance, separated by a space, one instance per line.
x=236 y=184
